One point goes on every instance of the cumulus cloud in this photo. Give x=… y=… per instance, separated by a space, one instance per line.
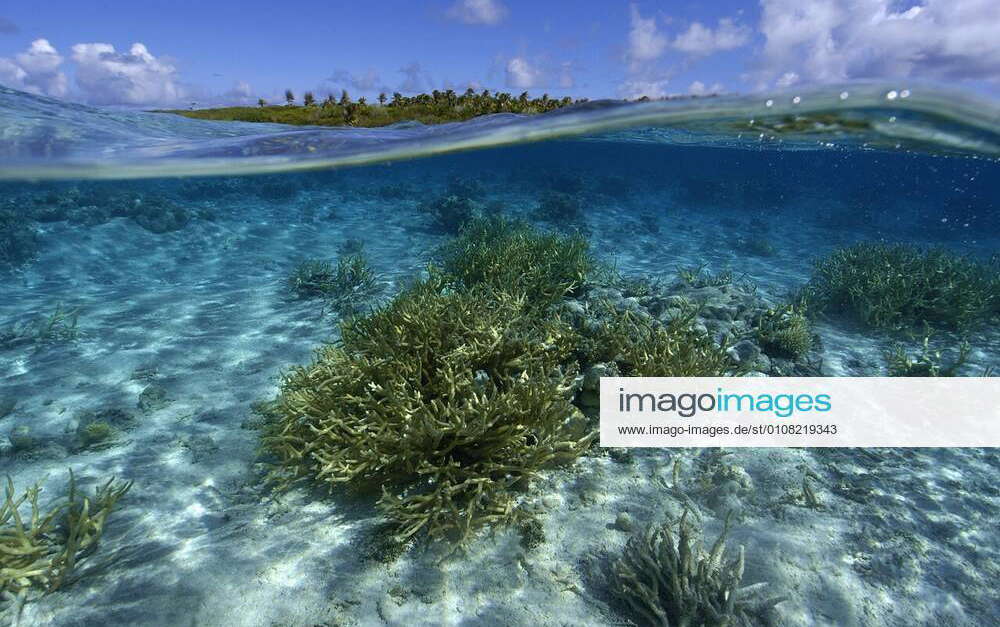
x=239 y=93
x=520 y=74
x=106 y=76
x=634 y=89
x=698 y=88
x=415 y=78
x=645 y=41
x=836 y=40
x=368 y=81
x=488 y=12
x=36 y=70
x=701 y=40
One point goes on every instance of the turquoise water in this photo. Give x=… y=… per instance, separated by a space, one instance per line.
x=146 y=262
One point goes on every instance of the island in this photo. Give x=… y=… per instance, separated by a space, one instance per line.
x=436 y=107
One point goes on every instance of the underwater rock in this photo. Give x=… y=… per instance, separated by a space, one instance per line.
x=7 y=406
x=95 y=435
x=561 y=210
x=21 y=440
x=98 y=429
x=201 y=446
x=624 y=522
x=159 y=215
x=18 y=241
x=745 y=352
x=152 y=398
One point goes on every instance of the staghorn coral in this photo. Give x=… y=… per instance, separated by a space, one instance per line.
x=40 y=550
x=351 y=282
x=900 y=286
x=668 y=579
x=450 y=213
x=59 y=326
x=927 y=363
x=641 y=346
x=784 y=332
x=447 y=399
x=514 y=257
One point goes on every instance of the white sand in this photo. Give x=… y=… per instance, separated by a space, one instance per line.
x=203 y=312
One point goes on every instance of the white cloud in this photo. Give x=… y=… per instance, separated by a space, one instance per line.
x=836 y=40
x=787 y=79
x=489 y=12
x=633 y=89
x=240 y=93
x=521 y=74
x=645 y=42
x=105 y=76
x=369 y=81
x=416 y=78
x=701 y=40
x=698 y=88
x=36 y=70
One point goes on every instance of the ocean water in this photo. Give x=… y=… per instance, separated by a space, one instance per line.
x=147 y=317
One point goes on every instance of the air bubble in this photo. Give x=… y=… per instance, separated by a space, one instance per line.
x=905 y=93
x=892 y=95
x=796 y=100
x=892 y=119
x=844 y=95
x=769 y=103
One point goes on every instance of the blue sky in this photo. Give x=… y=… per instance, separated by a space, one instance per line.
x=149 y=53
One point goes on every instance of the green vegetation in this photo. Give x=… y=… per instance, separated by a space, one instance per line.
x=450 y=398
x=700 y=277
x=784 y=332
x=899 y=286
x=95 y=434
x=434 y=108
x=927 y=363
x=344 y=287
x=641 y=346
x=450 y=213
x=512 y=256
x=447 y=399
x=668 y=579
x=59 y=326
x=39 y=549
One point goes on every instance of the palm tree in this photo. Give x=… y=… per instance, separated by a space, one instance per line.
x=261 y=102
x=289 y=96
x=381 y=98
x=344 y=98
x=308 y=99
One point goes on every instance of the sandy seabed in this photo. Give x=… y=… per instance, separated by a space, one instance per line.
x=183 y=331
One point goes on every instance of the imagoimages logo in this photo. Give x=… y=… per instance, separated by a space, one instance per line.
x=800 y=411
x=689 y=404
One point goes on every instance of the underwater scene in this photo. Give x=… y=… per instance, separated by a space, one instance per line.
x=254 y=374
